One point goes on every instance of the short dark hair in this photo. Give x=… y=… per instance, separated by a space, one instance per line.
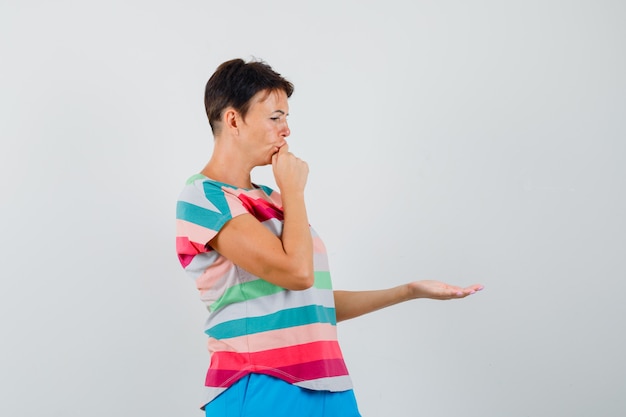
x=235 y=82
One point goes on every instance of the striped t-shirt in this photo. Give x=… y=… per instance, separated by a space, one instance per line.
x=253 y=325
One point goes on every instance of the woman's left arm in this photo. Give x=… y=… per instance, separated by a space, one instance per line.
x=351 y=304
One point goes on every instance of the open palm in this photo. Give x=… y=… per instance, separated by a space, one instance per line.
x=440 y=290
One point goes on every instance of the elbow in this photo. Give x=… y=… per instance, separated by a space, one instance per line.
x=302 y=281
x=301 y=286
x=293 y=275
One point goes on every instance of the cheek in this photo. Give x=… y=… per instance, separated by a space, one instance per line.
x=272 y=132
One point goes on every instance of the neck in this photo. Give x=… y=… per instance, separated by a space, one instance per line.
x=228 y=167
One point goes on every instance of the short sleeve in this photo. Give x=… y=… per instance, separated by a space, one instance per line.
x=201 y=211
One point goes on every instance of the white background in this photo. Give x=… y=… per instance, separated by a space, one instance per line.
x=467 y=141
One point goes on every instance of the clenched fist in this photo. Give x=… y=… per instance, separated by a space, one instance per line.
x=290 y=172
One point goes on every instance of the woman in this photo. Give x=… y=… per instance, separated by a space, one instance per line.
x=261 y=269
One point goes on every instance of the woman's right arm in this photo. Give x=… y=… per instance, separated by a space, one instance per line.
x=286 y=261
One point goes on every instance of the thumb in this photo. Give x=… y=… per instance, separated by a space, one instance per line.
x=281 y=151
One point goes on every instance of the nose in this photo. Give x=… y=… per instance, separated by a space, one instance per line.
x=285 y=131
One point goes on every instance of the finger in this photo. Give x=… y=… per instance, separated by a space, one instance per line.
x=473 y=288
x=464 y=292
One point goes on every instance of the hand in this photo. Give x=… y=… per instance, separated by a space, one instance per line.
x=290 y=172
x=440 y=290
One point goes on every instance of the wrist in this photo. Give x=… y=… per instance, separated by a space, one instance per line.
x=407 y=292
x=292 y=199
x=292 y=190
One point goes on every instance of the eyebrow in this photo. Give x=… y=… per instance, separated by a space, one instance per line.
x=280 y=111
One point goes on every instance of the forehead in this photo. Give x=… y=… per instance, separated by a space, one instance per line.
x=270 y=101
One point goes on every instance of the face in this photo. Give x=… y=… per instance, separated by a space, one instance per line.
x=265 y=127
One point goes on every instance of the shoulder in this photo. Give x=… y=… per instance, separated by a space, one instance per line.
x=201 y=192
x=204 y=197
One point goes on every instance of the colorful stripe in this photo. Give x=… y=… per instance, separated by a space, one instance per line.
x=274 y=339
x=282 y=357
x=306 y=371
x=269 y=304
x=202 y=217
x=260 y=288
x=255 y=326
x=283 y=319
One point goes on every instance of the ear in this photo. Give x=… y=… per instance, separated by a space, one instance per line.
x=230 y=120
